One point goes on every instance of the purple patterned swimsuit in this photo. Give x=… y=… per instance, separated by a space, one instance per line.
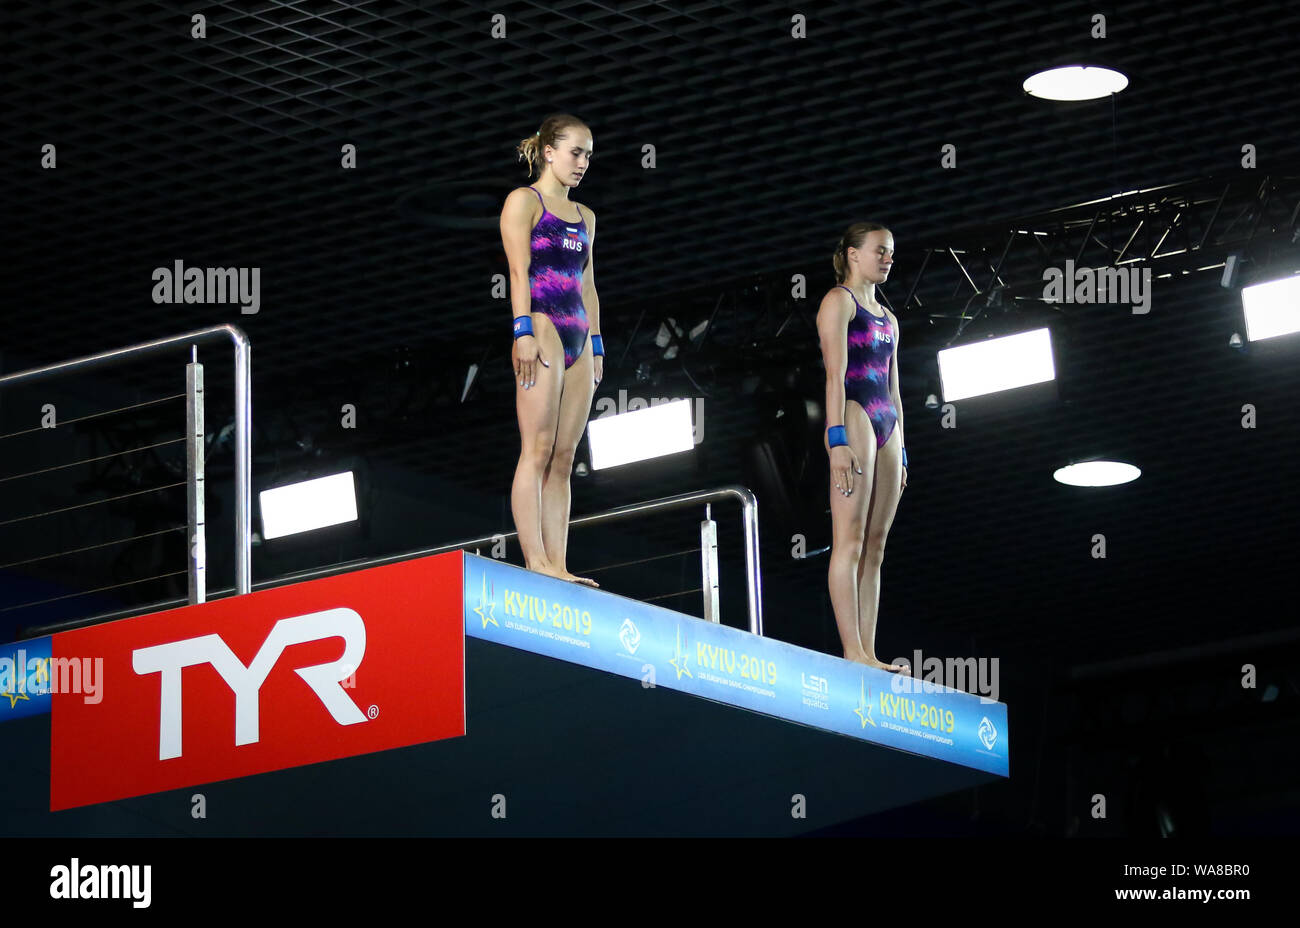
x=866 y=378
x=559 y=256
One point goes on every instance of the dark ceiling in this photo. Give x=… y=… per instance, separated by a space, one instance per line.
x=377 y=281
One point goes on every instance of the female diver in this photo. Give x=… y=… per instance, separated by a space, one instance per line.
x=558 y=356
x=864 y=435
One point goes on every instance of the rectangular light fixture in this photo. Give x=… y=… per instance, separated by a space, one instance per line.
x=640 y=434
x=310 y=504
x=1272 y=308
x=996 y=364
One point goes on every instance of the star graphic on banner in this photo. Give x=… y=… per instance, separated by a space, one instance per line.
x=491 y=607
x=863 y=711
x=682 y=656
x=39 y=683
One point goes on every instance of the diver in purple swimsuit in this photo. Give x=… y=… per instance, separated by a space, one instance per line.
x=864 y=434
x=558 y=357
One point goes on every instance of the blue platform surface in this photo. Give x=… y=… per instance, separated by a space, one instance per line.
x=604 y=631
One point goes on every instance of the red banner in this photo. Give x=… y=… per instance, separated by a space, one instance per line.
x=329 y=668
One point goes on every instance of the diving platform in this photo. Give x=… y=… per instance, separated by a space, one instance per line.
x=584 y=714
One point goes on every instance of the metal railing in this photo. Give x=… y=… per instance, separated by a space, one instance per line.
x=243 y=492
x=243 y=435
x=749 y=523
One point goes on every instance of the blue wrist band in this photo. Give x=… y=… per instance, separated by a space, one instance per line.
x=523 y=326
x=904 y=457
x=837 y=435
x=597 y=345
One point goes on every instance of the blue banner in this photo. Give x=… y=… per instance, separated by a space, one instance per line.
x=25 y=678
x=601 y=630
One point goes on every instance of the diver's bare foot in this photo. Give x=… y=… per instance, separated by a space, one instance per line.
x=549 y=571
x=879 y=665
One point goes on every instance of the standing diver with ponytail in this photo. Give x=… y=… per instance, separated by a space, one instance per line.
x=558 y=356
x=864 y=435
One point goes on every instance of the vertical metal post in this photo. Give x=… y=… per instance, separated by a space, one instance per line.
x=709 y=566
x=243 y=466
x=753 y=575
x=194 y=480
